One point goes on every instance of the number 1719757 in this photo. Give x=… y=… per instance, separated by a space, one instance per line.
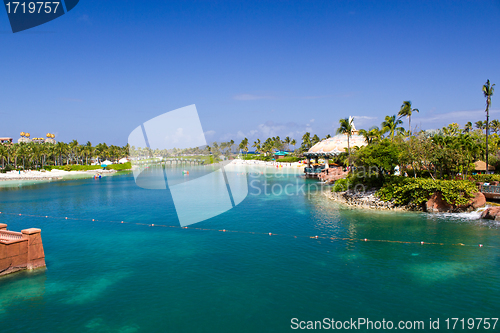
x=32 y=7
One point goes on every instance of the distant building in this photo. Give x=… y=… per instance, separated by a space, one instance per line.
x=25 y=138
x=5 y=140
x=280 y=154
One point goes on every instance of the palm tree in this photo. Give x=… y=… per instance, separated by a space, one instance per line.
x=256 y=144
x=495 y=125
x=390 y=124
x=73 y=145
x=61 y=149
x=287 y=142
x=293 y=143
x=468 y=127
x=315 y=140
x=346 y=127
x=3 y=154
x=372 y=135
x=306 y=141
x=480 y=124
x=406 y=111
x=244 y=145
x=488 y=92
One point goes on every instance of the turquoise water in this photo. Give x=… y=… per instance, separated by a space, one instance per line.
x=113 y=277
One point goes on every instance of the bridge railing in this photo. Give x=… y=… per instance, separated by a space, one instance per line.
x=490 y=189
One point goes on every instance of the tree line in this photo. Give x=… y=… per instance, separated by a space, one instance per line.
x=39 y=155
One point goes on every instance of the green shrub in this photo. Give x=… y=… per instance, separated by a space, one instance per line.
x=405 y=190
x=487 y=178
x=352 y=181
x=7 y=168
x=124 y=166
x=288 y=159
x=341 y=185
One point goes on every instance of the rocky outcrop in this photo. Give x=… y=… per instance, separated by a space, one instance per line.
x=435 y=204
x=492 y=213
x=367 y=200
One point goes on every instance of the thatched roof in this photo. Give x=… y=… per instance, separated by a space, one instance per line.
x=335 y=145
x=481 y=166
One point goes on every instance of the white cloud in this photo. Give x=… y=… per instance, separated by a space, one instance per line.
x=460 y=117
x=312 y=121
x=209 y=133
x=363 y=121
x=271 y=129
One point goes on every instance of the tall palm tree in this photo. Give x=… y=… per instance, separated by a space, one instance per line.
x=391 y=125
x=244 y=145
x=346 y=127
x=256 y=144
x=287 y=142
x=293 y=143
x=3 y=154
x=306 y=141
x=406 y=111
x=488 y=92
x=61 y=149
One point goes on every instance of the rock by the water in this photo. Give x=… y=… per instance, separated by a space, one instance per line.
x=478 y=201
x=492 y=213
x=436 y=204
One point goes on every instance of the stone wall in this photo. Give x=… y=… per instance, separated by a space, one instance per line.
x=20 y=250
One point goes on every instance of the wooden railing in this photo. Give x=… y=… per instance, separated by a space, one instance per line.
x=9 y=236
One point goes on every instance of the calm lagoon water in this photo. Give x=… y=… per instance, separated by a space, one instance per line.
x=112 y=277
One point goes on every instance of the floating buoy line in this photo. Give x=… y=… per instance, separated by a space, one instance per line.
x=248 y=232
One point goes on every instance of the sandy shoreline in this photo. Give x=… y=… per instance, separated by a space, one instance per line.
x=51 y=175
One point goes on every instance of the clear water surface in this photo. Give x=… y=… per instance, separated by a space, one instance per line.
x=113 y=277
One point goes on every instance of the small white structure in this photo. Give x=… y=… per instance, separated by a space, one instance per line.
x=107 y=162
x=123 y=160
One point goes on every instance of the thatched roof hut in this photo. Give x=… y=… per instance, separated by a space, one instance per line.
x=481 y=166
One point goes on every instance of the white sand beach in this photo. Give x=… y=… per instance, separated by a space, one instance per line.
x=51 y=175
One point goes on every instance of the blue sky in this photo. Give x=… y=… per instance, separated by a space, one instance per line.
x=253 y=68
